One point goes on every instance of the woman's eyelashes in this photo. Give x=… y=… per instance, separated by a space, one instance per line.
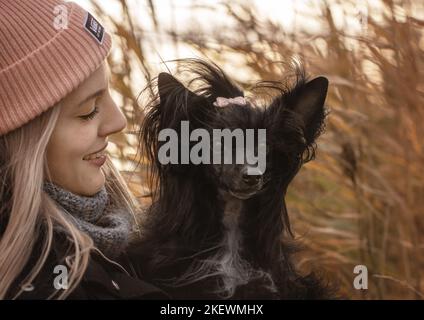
x=91 y=115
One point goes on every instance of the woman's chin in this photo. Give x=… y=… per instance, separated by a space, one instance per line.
x=94 y=183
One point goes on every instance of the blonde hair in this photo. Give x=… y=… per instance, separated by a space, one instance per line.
x=26 y=211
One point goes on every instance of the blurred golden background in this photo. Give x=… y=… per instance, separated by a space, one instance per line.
x=361 y=201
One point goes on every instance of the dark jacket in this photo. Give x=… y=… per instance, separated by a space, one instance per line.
x=102 y=279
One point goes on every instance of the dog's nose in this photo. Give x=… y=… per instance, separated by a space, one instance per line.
x=251 y=180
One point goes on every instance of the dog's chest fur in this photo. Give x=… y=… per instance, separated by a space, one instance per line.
x=234 y=270
x=229 y=263
x=230 y=220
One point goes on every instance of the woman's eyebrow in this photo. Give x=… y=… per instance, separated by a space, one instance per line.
x=92 y=96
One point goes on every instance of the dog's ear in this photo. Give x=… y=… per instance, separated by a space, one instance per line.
x=310 y=99
x=168 y=85
x=165 y=83
x=307 y=102
x=177 y=102
x=172 y=89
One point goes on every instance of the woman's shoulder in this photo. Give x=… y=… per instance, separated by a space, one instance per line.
x=102 y=279
x=106 y=279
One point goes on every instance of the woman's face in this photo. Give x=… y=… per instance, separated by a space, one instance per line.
x=88 y=116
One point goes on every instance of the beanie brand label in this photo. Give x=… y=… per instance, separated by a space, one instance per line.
x=94 y=28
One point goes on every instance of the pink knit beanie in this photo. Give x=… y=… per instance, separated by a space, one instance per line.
x=47 y=48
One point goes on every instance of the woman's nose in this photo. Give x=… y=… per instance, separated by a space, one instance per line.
x=113 y=119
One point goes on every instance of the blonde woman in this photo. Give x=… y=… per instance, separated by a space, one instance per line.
x=65 y=212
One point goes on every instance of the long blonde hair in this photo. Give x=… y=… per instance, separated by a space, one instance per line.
x=26 y=210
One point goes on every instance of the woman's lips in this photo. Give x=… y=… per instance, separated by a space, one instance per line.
x=99 y=161
x=98 y=158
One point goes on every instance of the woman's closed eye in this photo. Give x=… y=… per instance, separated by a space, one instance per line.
x=91 y=115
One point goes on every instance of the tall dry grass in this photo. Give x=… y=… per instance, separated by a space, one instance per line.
x=361 y=201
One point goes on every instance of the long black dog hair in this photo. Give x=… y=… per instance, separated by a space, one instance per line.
x=188 y=249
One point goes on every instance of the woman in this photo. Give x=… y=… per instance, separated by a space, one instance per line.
x=66 y=214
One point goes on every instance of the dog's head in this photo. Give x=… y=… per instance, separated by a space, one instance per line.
x=239 y=145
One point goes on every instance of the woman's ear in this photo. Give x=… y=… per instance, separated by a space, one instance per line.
x=307 y=101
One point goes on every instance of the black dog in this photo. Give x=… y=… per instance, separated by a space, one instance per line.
x=214 y=231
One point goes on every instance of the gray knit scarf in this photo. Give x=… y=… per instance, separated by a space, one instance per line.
x=107 y=225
